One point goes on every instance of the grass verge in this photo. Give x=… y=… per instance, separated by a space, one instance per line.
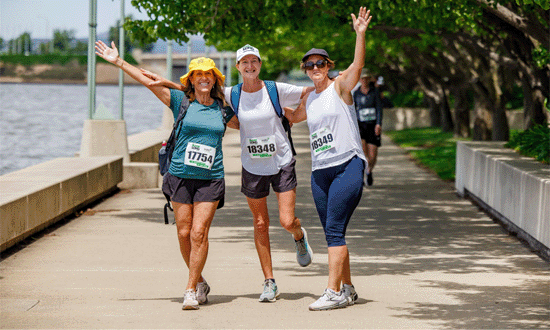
x=430 y=147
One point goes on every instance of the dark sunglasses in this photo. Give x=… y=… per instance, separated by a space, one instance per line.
x=320 y=64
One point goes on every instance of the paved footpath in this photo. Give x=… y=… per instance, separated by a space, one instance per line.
x=421 y=258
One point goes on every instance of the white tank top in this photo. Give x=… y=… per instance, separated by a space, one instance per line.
x=265 y=147
x=334 y=133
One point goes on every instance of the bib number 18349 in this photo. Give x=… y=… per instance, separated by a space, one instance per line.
x=321 y=140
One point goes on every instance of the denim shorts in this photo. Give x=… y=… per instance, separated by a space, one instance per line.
x=257 y=186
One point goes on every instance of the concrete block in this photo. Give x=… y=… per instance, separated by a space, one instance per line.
x=44 y=205
x=115 y=172
x=544 y=225
x=140 y=176
x=104 y=138
x=98 y=181
x=515 y=186
x=74 y=191
x=13 y=219
x=144 y=146
x=533 y=192
x=510 y=186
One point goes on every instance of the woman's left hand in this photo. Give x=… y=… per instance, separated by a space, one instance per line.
x=361 y=22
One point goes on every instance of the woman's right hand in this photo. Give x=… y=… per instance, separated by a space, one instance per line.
x=108 y=54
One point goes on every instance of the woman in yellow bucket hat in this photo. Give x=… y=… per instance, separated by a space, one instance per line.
x=195 y=180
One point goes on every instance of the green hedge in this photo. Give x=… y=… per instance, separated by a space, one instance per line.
x=534 y=142
x=54 y=59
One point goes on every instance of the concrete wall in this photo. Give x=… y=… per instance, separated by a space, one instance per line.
x=142 y=171
x=37 y=196
x=514 y=188
x=400 y=118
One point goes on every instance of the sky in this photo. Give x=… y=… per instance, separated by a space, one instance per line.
x=42 y=17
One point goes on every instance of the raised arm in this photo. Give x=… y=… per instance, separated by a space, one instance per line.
x=349 y=78
x=158 y=80
x=110 y=54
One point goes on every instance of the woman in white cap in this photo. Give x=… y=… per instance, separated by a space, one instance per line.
x=267 y=157
x=337 y=158
x=195 y=190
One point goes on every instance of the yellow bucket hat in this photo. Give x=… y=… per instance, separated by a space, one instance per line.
x=203 y=64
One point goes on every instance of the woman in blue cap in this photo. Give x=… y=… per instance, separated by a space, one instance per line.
x=337 y=158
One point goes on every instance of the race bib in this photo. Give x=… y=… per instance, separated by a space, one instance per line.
x=261 y=147
x=321 y=140
x=367 y=114
x=199 y=155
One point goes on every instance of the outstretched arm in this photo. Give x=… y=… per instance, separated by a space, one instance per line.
x=110 y=54
x=158 y=80
x=349 y=78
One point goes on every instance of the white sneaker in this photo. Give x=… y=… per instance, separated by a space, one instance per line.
x=349 y=292
x=202 y=292
x=329 y=300
x=304 y=254
x=190 y=300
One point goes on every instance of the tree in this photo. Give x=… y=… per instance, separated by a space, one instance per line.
x=62 y=40
x=130 y=42
x=480 y=45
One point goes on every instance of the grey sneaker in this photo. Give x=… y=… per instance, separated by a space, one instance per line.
x=190 y=300
x=329 y=300
x=349 y=292
x=271 y=293
x=202 y=292
x=304 y=254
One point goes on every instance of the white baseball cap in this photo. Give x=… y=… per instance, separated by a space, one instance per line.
x=247 y=50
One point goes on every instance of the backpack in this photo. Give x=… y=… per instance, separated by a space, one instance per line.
x=273 y=97
x=165 y=153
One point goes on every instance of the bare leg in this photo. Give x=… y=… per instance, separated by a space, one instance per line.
x=336 y=262
x=372 y=154
x=261 y=233
x=203 y=213
x=287 y=217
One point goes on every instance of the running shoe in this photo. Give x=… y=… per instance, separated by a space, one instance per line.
x=304 y=254
x=329 y=300
x=271 y=293
x=190 y=300
x=202 y=292
x=349 y=292
x=369 y=179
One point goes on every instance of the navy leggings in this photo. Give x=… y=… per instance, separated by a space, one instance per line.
x=337 y=191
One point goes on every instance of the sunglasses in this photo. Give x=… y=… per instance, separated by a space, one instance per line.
x=310 y=65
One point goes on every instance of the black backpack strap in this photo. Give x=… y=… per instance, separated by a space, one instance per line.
x=171 y=143
x=224 y=114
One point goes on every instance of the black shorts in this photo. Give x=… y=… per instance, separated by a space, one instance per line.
x=189 y=191
x=257 y=186
x=366 y=130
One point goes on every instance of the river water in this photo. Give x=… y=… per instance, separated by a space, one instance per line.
x=39 y=122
